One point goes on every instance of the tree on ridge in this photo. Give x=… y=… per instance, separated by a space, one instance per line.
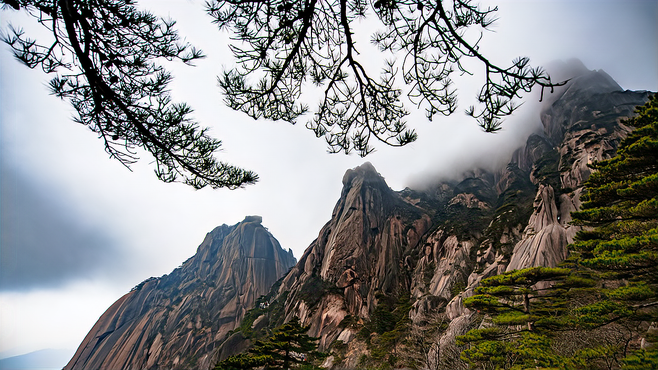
x=599 y=309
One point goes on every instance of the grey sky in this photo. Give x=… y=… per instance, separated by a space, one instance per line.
x=43 y=245
x=139 y=227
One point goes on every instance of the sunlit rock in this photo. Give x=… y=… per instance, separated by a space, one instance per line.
x=178 y=320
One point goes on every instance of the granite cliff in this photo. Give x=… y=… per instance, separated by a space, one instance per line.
x=388 y=265
x=422 y=252
x=583 y=124
x=362 y=256
x=177 y=321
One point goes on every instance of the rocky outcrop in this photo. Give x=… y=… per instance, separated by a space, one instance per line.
x=361 y=255
x=582 y=124
x=423 y=252
x=437 y=245
x=545 y=239
x=177 y=321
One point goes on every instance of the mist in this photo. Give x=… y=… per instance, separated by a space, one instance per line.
x=99 y=229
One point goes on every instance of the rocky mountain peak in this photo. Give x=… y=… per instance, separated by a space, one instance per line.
x=253 y=219
x=591 y=101
x=363 y=176
x=365 y=195
x=589 y=83
x=383 y=254
x=176 y=321
x=360 y=256
x=364 y=172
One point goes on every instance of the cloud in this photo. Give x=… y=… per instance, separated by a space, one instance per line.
x=41 y=244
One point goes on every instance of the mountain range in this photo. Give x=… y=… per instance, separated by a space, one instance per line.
x=384 y=254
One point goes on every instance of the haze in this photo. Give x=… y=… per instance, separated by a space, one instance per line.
x=79 y=230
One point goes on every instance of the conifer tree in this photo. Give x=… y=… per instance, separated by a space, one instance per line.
x=620 y=209
x=287 y=347
x=525 y=307
x=615 y=260
x=107 y=57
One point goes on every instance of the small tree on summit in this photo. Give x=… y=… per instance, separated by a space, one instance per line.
x=106 y=54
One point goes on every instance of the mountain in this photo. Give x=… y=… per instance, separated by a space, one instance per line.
x=44 y=359
x=177 y=320
x=385 y=280
x=364 y=252
x=387 y=256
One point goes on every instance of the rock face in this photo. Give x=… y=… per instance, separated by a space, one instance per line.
x=581 y=125
x=363 y=253
x=435 y=246
x=176 y=321
x=416 y=252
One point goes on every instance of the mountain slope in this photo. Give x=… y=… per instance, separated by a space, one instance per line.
x=582 y=125
x=387 y=267
x=384 y=252
x=360 y=257
x=177 y=320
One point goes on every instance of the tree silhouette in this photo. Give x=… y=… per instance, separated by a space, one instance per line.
x=290 y=43
x=105 y=55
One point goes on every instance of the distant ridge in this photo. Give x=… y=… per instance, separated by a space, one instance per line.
x=44 y=359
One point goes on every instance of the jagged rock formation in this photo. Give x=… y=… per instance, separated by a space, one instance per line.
x=435 y=246
x=581 y=125
x=361 y=254
x=422 y=252
x=176 y=321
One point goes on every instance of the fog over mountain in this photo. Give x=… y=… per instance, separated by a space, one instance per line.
x=79 y=230
x=386 y=264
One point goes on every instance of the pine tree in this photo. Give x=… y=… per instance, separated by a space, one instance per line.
x=620 y=211
x=289 y=346
x=610 y=281
x=525 y=307
x=107 y=56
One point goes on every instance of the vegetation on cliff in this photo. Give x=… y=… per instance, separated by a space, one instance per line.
x=600 y=309
x=621 y=205
x=288 y=347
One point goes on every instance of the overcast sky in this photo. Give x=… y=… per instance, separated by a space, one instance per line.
x=78 y=230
